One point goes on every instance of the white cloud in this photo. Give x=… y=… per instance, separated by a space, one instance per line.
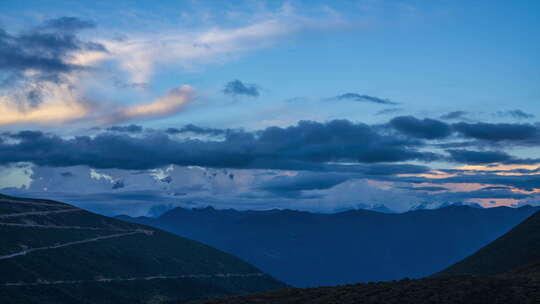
x=89 y=94
x=58 y=103
x=140 y=54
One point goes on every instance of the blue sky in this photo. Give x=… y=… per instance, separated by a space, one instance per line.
x=169 y=64
x=431 y=56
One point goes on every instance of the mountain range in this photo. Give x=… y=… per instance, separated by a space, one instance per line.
x=306 y=249
x=151 y=192
x=512 y=262
x=52 y=252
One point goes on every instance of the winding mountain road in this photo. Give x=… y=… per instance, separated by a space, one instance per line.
x=95 y=239
x=121 y=233
x=157 y=277
x=40 y=212
x=63 y=227
x=33 y=203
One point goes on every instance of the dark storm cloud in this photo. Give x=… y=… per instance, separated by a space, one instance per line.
x=364 y=98
x=339 y=140
x=479 y=133
x=454 y=115
x=478 y=157
x=237 y=87
x=305 y=146
x=499 y=132
x=421 y=128
x=517 y=114
x=45 y=49
x=128 y=129
x=335 y=146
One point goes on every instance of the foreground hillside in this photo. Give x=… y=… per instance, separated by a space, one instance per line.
x=308 y=249
x=519 y=247
x=448 y=290
x=521 y=285
x=55 y=253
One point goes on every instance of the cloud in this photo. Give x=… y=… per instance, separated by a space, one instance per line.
x=481 y=133
x=496 y=188
x=236 y=87
x=334 y=146
x=429 y=189
x=190 y=128
x=57 y=77
x=69 y=24
x=139 y=54
x=169 y=104
x=523 y=182
x=44 y=52
x=128 y=129
x=58 y=103
x=481 y=194
x=517 y=114
x=40 y=75
x=364 y=98
x=477 y=157
x=305 y=146
x=499 y=132
x=454 y=115
x=426 y=128
x=389 y=111
x=292 y=186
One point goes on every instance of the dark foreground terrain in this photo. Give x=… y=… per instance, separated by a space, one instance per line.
x=464 y=283
x=52 y=252
x=462 y=289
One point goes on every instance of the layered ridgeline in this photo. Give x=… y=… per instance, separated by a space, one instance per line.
x=513 y=262
x=307 y=249
x=52 y=252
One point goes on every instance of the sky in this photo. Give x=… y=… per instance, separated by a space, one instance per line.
x=135 y=107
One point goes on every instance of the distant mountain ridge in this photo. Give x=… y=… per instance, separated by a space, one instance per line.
x=112 y=192
x=513 y=262
x=311 y=249
x=52 y=252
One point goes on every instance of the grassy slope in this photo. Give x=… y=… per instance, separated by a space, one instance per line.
x=148 y=253
x=517 y=248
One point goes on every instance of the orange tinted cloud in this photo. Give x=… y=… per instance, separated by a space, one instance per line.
x=166 y=105
x=58 y=104
x=501 y=167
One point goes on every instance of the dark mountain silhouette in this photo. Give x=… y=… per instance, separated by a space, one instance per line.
x=518 y=248
x=307 y=249
x=513 y=261
x=52 y=252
